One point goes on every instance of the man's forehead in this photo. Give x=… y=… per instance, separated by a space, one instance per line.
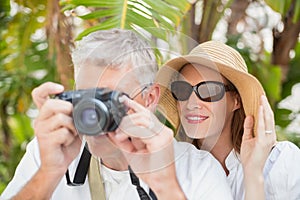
x=111 y=77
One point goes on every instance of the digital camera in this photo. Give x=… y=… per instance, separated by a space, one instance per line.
x=96 y=110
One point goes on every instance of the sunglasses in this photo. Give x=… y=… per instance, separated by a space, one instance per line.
x=208 y=91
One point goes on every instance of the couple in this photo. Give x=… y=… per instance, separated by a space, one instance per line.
x=209 y=98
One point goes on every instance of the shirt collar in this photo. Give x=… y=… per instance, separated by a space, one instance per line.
x=232 y=160
x=111 y=175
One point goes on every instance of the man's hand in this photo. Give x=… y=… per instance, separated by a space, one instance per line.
x=148 y=146
x=42 y=93
x=58 y=142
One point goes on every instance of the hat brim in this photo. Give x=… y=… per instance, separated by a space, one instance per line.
x=248 y=86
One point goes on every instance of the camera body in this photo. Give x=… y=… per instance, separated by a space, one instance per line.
x=96 y=110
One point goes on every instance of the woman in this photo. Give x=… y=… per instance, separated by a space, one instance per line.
x=212 y=100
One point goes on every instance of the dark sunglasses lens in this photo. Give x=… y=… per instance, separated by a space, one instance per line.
x=181 y=90
x=211 y=91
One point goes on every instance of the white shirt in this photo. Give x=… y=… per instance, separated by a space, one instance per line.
x=281 y=173
x=199 y=175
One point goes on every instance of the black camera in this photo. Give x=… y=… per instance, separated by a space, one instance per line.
x=96 y=110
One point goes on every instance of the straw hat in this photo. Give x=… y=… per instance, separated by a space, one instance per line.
x=217 y=56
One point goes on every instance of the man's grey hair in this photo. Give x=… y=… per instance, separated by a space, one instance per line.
x=116 y=48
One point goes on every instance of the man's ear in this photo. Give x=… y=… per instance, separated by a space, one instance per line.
x=152 y=97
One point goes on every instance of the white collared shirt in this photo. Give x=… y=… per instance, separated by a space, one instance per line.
x=281 y=173
x=198 y=172
x=118 y=185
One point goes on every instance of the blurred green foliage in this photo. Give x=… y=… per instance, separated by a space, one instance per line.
x=24 y=64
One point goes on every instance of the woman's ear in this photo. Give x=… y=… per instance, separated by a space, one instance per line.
x=152 y=97
x=237 y=101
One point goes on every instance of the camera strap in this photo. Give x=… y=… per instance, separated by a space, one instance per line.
x=142 y=193
x=96 y=184
x=89 y=165
x=81 y=170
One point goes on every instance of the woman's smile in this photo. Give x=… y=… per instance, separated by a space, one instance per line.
x=195 y=118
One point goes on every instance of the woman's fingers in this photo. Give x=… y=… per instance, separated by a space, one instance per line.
x=269 y=122
x=248 y=128
x=260 y=122
x=268 y=116
x=266 y=134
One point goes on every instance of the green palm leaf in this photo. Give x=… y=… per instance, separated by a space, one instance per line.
x=132 y=14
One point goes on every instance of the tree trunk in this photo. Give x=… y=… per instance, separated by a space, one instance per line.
x=209 y=19
x=238 y=12
x=211 y=13
x=285 y=41
x=194 y=27
x=59 y=33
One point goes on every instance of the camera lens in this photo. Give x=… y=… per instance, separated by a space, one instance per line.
x=89 y=117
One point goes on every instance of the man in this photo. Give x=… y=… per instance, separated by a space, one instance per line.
x=121 y=61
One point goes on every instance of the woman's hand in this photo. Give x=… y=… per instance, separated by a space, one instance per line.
x=255 y=150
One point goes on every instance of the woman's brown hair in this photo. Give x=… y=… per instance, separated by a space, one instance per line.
x=237 y=123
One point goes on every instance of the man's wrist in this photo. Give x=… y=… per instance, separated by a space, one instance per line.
x=40 y=187
x=169 y=189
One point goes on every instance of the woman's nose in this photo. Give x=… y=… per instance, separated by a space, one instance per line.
x=194 y=102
